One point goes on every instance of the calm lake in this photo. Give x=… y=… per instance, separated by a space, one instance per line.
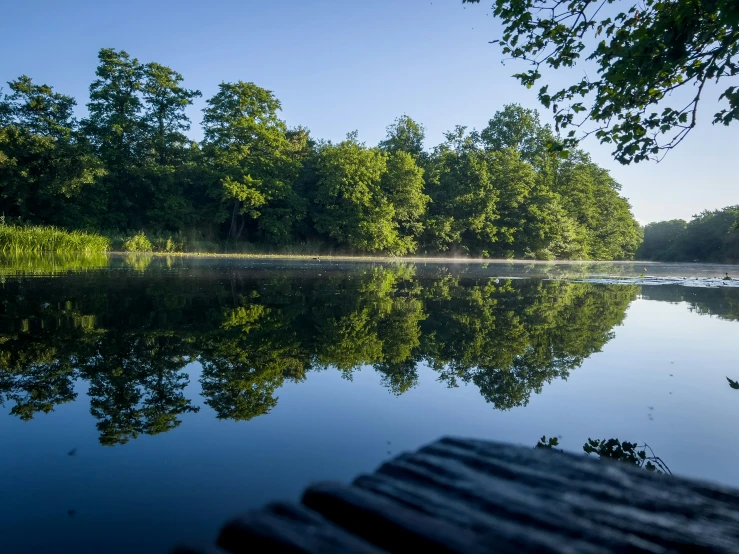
x=144 y=401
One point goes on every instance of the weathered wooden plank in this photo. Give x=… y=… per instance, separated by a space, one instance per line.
x=607 y=504
x=199 y=550
x=506 y=534
x=284 y=528
x=474 y=496
x=387 y=524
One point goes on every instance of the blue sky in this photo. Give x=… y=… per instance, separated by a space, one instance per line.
x=344 y=65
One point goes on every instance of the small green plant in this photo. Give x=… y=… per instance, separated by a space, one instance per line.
x=138 y=243
x=168 y=244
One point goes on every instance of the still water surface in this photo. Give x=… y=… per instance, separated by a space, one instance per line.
x=145 y=401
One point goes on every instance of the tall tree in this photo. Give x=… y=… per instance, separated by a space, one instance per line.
x=350 y=205
x=115 y=127
x=463 y=213
x=591 y=196
x=533 y=221
x=662 y=240
x=45 y=164
x=168 y=166
x=403 y=186
x=710 y=236
x=252 y=160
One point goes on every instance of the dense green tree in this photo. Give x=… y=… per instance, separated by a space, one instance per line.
x=137 y=122
x=519 y=129
x=711 y=236
x=403 y=186
x=405 y=135
x=247 y=147
x=534 y=221
x=115 y=127
x=45 y=164
x=590 y=195
x=350 y=205
x=661 y=240
x=463 y=214
x=643 y=54
x=129 y=168
x=169 y=164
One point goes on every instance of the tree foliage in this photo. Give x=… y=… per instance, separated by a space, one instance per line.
x=711 y=236
x=247 y=147
x=129 y=167
x=652 y=61
x=46 y=164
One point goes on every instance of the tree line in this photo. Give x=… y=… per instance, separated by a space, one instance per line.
x=129 y=165
x=710 y=236
x=130 y=338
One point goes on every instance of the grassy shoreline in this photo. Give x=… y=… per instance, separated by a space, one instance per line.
x=372 y=258
x=17 y=240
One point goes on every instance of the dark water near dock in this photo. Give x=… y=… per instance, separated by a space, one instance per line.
x=145 y=400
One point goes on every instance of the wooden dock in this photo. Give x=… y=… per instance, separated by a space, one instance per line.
x=474 y=496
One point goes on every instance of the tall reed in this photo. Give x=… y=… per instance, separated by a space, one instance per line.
x=15 y=239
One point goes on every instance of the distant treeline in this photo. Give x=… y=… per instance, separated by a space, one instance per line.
x=129 y=166
x=711 y=236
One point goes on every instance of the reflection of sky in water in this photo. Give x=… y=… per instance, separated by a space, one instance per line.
x=184 y=483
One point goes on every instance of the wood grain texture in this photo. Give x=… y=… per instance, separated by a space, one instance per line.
x=459 y=495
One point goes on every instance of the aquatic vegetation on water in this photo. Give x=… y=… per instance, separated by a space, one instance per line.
x=702 y=282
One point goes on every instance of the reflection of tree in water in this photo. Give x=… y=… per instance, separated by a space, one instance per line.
x=247 y=359
x=720 y=302
x=130 y=336
x=136 y=385
x=510 y=339
x=39 y=345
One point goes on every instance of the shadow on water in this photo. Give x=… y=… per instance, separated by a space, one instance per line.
x=128 y=336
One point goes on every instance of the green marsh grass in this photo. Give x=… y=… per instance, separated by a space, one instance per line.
x=16 y=239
